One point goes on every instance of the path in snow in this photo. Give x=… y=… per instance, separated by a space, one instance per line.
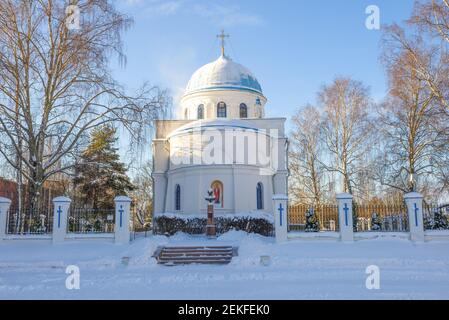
x=298 y=270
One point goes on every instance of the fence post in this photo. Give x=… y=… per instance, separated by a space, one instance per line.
x=345 y=216
x=280 y=216
x=122 y=210
x=5 y=203
x=61 y=209
x=413 y=201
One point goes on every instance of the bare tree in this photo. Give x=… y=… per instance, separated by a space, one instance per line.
x=432 y=21
x=412 y=125
x=346 y=129
x=433 y=16
x=306 y=171
x=143 y=194
x=55 y=84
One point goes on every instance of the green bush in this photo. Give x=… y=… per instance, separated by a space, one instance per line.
x=170 y=225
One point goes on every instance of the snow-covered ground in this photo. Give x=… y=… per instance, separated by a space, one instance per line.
x=299 y=269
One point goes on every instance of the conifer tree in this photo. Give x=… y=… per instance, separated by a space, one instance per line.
x=376 y=223
x=312 y=223
x=100 y=176
x=440 y=221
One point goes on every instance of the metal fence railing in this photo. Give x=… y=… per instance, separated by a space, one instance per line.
x=83 y=220
x=381 y=217
x=436 y=216
x=29 y=221
x=327 y=216
x=141 y=220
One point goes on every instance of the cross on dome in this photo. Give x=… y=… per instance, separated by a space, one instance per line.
x=222 y=36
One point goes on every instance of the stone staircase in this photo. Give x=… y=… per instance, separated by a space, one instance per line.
x=171 y=255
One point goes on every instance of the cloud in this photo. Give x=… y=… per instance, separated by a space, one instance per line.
x=133 y=2
x=176 y=70
x=165 y=7
x=224 y=16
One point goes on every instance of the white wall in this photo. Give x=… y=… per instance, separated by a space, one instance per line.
x=232 y=98
x=239 y=184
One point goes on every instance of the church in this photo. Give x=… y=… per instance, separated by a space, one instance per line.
x=222 y=142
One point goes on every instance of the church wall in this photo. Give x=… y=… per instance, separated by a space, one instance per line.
x=245 y=189
x=161 y=161
x=232 y=98
x=159 y=190
x=165 y=127
x=239 y=183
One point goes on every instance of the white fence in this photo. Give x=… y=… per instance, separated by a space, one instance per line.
x=404 y=221
x=65 y=223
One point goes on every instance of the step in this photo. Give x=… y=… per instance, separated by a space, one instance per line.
x=198 y=251
x=176 y=255
x=168 y=263
x=198 y=254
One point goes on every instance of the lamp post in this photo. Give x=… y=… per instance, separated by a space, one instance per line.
x=210 y=227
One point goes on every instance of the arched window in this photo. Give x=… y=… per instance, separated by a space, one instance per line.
x=243 y=111
x=177 y=197
x=259 y=195
x=221 y=110
x=217 y=188
x=200 y=112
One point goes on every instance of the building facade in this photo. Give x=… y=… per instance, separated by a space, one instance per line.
x=223 y=142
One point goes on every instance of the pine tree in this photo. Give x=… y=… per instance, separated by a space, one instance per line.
x=312 y=223
x=440 y=221
x=100 y=176
x=376 y=223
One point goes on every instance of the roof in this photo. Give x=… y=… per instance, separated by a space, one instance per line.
x=213 y=124
x=223 y=74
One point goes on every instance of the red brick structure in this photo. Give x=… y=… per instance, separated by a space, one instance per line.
x=9 y=189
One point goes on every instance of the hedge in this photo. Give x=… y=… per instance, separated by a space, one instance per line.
x=169 y=225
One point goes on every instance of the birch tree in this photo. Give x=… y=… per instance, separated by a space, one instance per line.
x=306 y=171
x=415 y=129
x=431 y=19
x=56 y=84
x=346 y=129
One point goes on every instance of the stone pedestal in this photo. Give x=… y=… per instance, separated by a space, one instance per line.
x=413 y=201
x=280 y=216
x=210 y=227
x=61 y=209
x=345 y=216
x=122 y=210
x=5 y=203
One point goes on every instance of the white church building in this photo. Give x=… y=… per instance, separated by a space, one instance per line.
x=221 y=141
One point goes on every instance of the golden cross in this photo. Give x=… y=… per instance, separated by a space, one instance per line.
x=222 y=36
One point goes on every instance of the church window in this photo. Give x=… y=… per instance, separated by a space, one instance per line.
x=200 y=111
x=177 y=197
x=217 y=188
x=243 y=111
x=259 y=195
x=221 y=110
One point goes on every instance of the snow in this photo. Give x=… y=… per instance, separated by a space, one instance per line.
x=298 y=269
x=253 y=214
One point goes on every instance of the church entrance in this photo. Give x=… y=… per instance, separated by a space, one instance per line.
x=217 y=188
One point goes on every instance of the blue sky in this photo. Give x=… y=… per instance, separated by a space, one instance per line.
x=293 y=47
